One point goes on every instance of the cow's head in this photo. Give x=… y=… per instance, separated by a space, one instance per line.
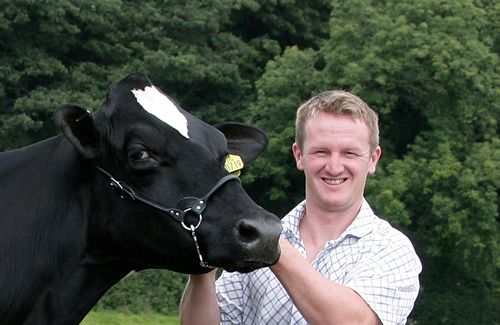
x=164 y=156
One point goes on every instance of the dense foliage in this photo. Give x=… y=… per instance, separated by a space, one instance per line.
x=146 y=291
x=430 y=68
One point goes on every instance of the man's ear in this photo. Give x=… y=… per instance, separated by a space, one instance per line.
x=77 y=125
x=297 y=154
x=244 y=140
x=375 y=156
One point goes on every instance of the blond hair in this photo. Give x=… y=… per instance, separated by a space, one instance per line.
x=337 y=102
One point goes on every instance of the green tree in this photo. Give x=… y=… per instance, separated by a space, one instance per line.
x=46 y=61
x=201 y=53
x=149 y=290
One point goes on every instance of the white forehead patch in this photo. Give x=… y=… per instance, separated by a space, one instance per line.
x=156 y=103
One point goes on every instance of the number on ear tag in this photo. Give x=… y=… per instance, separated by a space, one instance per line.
x=233 y=164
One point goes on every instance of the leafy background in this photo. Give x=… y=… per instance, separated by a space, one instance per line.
x=429 y=67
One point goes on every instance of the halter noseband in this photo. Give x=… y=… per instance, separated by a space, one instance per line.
x=185 y=206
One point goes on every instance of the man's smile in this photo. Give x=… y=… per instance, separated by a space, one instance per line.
x=334 y=181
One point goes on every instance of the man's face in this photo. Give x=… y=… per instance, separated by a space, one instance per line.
x=336 y=160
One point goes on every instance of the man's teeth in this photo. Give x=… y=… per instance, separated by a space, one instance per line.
x=331 y=181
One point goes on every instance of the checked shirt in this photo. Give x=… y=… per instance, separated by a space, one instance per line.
x=371 y=257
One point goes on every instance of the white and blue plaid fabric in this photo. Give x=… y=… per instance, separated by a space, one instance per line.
x=371 y=257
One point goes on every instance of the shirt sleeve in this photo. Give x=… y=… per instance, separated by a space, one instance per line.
x=230 y=295
x=387 y=277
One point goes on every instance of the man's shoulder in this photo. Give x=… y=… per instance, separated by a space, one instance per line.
x=382 y=229
x=386 y=245
x=385 y=231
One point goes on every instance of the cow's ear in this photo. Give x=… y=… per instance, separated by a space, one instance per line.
x=77 y=125
x=244 y=140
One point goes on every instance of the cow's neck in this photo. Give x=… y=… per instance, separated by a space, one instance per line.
x=78 y=281
x=71 y=300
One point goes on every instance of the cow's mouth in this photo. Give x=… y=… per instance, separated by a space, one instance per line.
x=249 y=265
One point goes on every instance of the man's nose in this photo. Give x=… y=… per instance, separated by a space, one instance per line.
x=334 y=164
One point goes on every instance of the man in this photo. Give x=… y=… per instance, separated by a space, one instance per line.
x=339 y=263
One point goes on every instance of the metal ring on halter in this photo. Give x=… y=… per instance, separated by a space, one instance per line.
x=192 y=228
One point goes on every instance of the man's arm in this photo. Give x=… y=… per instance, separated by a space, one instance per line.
x=319 y=300
x=199 y=302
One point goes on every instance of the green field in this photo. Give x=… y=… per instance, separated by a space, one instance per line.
x=107 y=317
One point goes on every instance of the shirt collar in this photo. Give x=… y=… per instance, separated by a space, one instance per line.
x=361 y=225
x=292 y=220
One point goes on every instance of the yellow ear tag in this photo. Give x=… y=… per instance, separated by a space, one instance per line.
x=233 y=164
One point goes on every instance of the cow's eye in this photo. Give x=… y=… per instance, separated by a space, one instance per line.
x=140 y=155
x=140 y=158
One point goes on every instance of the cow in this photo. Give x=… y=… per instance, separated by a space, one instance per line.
x=140 y=183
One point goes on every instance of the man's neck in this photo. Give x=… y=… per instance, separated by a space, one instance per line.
x=319 y=226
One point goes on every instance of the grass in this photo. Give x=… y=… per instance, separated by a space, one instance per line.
x=111 y=317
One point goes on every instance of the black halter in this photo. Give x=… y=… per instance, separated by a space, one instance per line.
x=185 y=206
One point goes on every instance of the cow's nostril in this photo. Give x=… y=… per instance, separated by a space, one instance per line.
x=247 y=233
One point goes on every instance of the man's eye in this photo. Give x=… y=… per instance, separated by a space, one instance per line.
x=351 y=154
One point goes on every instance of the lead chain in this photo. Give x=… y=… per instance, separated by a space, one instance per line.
x=195 y=239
